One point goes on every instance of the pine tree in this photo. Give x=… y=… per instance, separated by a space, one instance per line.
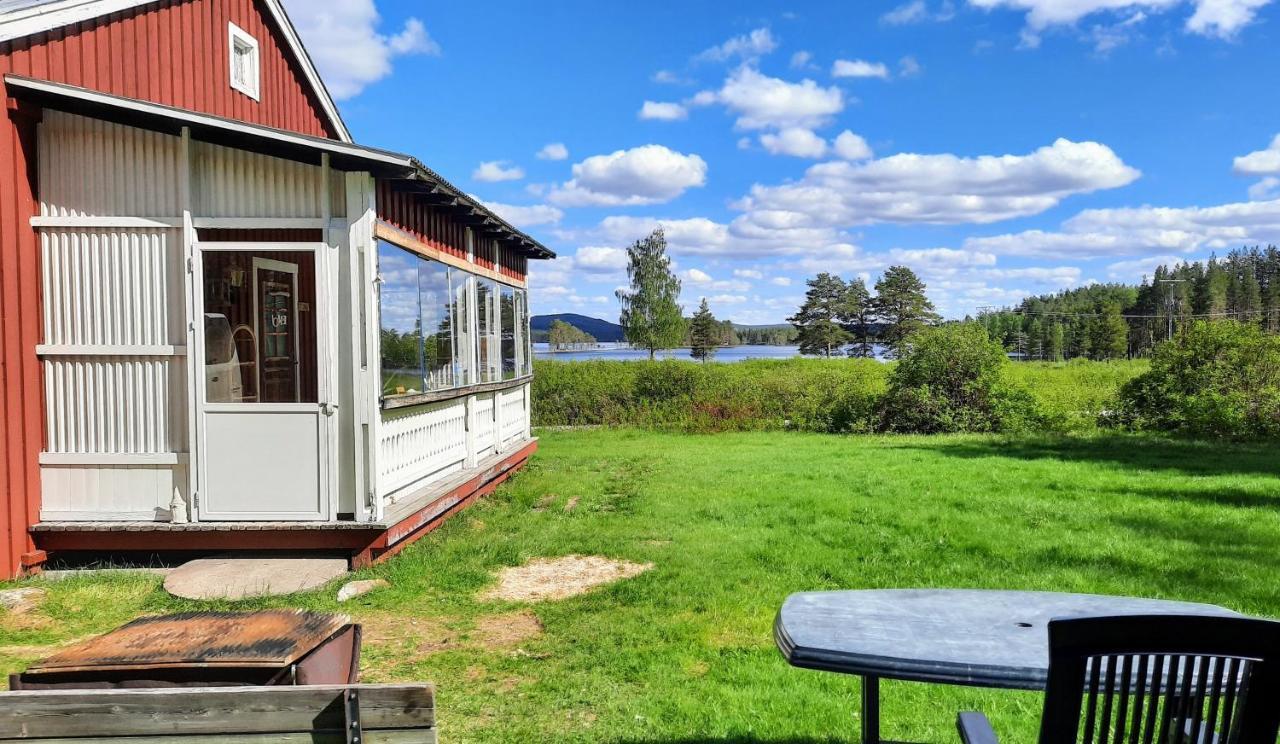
x=901 y=304
x=818 y=319
x=651 y=315
x=705 y=333
x=857 y=315
x=1109 y=333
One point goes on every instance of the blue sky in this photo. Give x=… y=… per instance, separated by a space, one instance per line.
x=998 y=147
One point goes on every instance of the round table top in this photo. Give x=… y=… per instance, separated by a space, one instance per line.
x=953 y=636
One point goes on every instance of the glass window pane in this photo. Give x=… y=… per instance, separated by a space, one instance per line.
x=434 y=301
x=401 y=333
x=259 y=326
x=527 y=335
x=508 y=315
x=463 y=300
x=488 y=358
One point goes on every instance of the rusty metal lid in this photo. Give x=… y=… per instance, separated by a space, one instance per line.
x=266 y=639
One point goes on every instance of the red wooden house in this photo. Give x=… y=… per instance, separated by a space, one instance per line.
x=223 y=324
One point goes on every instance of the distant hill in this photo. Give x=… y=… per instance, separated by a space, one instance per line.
x=603 y=330
x=765 y=327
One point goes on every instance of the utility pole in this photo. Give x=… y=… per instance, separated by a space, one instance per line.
x=1169 y=303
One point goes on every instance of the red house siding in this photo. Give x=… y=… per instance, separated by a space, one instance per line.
x=438 y=229
x=173 y=52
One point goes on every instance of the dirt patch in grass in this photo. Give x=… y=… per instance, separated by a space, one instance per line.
x=506 y=631
x=557 y=578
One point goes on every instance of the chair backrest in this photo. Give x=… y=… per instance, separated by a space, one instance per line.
x=1162 y=679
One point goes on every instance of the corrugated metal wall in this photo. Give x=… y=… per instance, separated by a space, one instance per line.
x=113 y=312
x=246 y=184
x=115 y=303
x=172 y=52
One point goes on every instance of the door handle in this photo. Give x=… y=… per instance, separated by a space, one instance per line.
x=328 y=409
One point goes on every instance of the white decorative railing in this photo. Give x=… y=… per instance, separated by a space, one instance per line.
x=430 y=441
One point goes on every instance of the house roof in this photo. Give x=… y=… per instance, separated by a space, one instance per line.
x=19 y=18
x=408 y=173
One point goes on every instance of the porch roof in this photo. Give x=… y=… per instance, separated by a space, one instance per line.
x=407 y=171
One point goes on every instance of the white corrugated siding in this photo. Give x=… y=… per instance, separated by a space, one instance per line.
x=96 y=168
x=112 y=287
x=125 y=287
x=430 y=442
x=115 y=404
x=235 y=183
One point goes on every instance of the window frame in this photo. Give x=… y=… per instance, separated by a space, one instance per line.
x=468 y=346
x=236 y=37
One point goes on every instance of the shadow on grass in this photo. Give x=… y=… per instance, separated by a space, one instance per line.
x=1120 y=450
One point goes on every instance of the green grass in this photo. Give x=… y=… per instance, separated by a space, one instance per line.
x=733 y=523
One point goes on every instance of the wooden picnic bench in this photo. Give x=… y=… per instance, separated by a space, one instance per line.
x=318 y=714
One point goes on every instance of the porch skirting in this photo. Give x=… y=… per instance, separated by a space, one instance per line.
x=363 y=542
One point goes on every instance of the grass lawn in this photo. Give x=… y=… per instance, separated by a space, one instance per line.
x=735 y=522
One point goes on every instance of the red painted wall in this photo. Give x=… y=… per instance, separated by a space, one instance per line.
x=173 y=52
x=438 y=229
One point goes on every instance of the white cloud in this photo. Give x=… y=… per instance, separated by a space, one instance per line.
x=526 y=215
x=661 y=111
x=1144 y=231
x=1267 y=188
x=727 y=299
x=343 y=40
x=909 y=67
x=940 y=258
x=650 y=174
x=912 y=12
x=600 y=259
x=667 y=77
x=849 y=146
x=763 y=102
x=796 y=142
x=553 y=151
x=747 y=47
x=859 y=68
x=1223 y=18
x=697 y=276
x=1216 y=18
x=1134 y=270
x=917 y=11
x=748 y=273
x=491 y=171
x=801 y=60
x=939 y=188
x=781 y=281
x=1259 y=162
x=1051 y=276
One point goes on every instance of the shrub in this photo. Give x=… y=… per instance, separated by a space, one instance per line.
x=1216 y=379
x=806 y=394
x=953 y=378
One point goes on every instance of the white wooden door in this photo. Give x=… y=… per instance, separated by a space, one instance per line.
x=264 y=426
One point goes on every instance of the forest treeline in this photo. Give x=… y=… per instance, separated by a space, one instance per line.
x=1113 y=321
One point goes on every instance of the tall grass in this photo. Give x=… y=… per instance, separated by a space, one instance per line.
x=819 y=395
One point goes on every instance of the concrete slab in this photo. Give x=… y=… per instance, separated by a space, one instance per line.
x=241 y=577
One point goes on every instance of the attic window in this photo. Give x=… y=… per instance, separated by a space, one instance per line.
x=244 y=61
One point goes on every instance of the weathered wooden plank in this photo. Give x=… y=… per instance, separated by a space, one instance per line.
x=190 y=711
x=401 y=736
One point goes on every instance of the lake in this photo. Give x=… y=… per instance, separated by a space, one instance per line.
x=622 y=353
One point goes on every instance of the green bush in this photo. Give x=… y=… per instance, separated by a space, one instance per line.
x=819 y=395
x=1216 y=379
x=806 y=394
x=953 y=378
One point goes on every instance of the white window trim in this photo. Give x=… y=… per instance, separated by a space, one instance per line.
x=236 y=34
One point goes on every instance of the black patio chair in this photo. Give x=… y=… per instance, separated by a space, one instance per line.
x=1162 y=679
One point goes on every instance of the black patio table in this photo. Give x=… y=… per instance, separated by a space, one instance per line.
x=966 y=637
